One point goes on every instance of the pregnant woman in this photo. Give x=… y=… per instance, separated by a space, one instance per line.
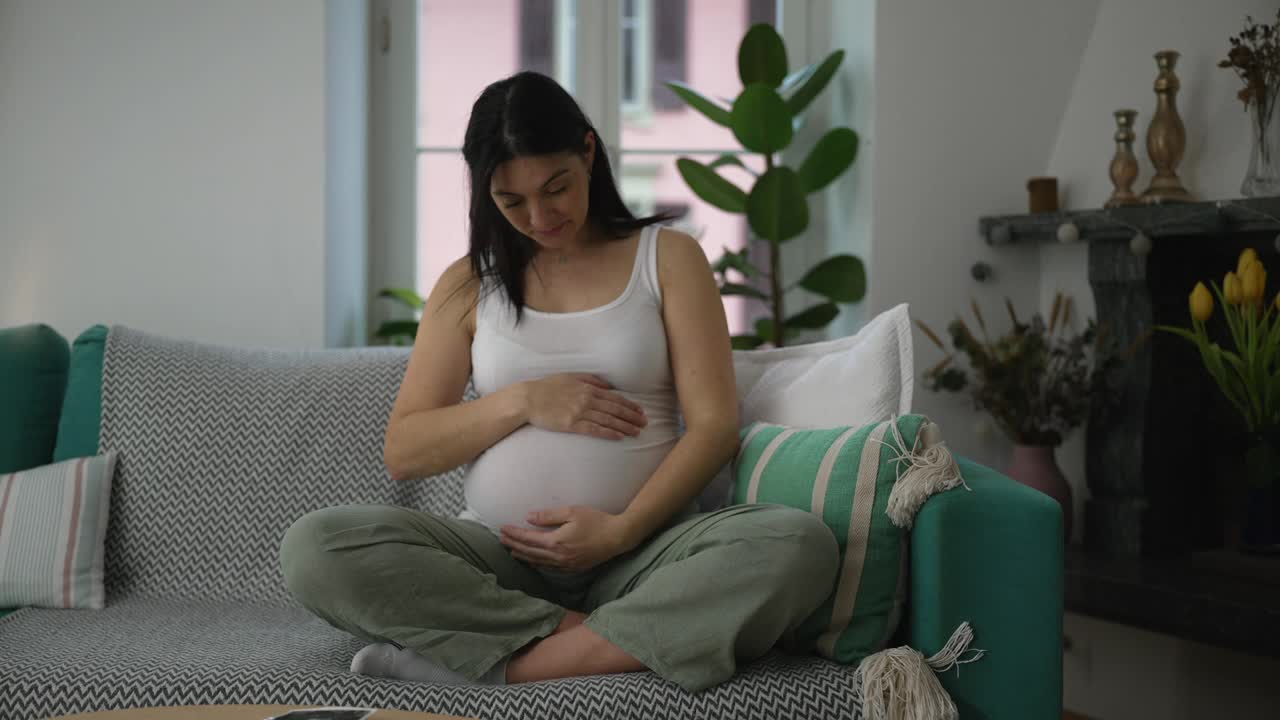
x=589 y=334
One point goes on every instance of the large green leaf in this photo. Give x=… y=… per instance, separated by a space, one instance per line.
x=404 y=296
x=815 y=83
x=395 y=328
x=832 y=155
x=776 y=208
x=701 y=103
x=739 y=261
x=709 y=186
x=762 y=57
x=760 y=119
x=814 y=318
x=841 y=278
x=746 y=342
x=744 y=290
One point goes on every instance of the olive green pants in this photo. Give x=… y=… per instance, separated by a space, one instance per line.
x=700 y=595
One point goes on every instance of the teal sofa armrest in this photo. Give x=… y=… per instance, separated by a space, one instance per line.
x=33 y=378
x=992 y=556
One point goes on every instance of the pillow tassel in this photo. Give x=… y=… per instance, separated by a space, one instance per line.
x=900 y=684
x=930 y=469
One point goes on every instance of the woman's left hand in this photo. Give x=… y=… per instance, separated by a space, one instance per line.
x=582 y=538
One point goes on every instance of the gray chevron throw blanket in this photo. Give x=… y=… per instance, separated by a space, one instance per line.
x=220 y=450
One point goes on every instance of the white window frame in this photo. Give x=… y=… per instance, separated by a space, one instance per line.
x=566 y=54
x=640 y=108
x=640 y=182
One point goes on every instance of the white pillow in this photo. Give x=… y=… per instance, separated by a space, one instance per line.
x=53 y=522
x=857 y=380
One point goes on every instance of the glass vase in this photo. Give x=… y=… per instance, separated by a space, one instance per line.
x=1263 y=179
x=1260 y=515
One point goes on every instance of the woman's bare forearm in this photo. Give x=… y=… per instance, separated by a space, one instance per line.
x=430 y=442
x=682 y=476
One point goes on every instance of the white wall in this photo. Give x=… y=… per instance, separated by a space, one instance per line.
x=163 y=165
x=1118 y=70
x=969 y=98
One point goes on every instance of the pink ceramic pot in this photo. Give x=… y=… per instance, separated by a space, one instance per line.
x=1036 y=467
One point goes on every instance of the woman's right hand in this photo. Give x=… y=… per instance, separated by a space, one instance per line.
x=582 y=403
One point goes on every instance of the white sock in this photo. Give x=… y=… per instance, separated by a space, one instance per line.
x=387 y=661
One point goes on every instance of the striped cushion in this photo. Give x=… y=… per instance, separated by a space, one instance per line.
x=52 y=523
x=845 y=476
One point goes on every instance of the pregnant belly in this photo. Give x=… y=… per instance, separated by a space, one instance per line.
x=534 y=469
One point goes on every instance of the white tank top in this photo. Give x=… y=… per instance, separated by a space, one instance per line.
x=625 y=343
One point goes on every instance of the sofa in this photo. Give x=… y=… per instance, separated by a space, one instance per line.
x=220 y=448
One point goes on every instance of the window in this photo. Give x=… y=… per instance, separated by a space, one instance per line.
x=644 y=124
x=670 y=46
x=653 y=52
x=637 y=21
x=452 y=71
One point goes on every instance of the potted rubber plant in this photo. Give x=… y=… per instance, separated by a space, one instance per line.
x=764 y=118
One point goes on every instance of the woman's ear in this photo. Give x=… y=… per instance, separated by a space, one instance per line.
x=589 y=149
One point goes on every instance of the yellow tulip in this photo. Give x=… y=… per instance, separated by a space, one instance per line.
x=1253 y=283
x=1248 y=256
x=1202 y=303
x=1232 y=291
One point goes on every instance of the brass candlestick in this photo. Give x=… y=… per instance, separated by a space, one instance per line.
x=1124 y=164
x=1166 y=137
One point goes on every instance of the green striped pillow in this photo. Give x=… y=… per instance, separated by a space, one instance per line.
x=53 y=521
x=866 y=483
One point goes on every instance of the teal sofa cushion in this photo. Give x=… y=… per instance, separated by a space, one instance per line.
x=82 y=409
x=33 y=377
x=849 y=477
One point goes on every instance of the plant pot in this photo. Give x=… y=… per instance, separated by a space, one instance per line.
x=1036 y=467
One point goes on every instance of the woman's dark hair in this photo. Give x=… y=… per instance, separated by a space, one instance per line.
x=530 y=114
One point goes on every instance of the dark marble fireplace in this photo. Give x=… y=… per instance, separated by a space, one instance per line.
x=1160 y=460
x=1160 y=454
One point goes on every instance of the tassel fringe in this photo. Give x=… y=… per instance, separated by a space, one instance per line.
x=930 y=469
x=900 y=684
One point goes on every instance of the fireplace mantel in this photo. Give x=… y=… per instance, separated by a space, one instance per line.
x=1183 y=220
